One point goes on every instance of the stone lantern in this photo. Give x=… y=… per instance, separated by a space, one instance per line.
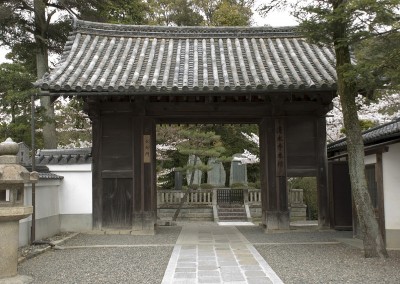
x=12 y=179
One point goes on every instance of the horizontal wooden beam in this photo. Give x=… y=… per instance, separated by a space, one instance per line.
x=117 y=174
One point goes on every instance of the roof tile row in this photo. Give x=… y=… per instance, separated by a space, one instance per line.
x=64 y=156
x=131 y=59
x=381 y=133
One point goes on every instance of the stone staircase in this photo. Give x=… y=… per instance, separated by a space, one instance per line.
x=233 y=213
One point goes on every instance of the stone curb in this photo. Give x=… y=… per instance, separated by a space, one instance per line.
x=37 y=252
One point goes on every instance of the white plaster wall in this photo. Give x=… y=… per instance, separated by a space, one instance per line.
x=47 y=206
x=76 y=190
x=391 y=185
x=47 y=195
x=371 y=159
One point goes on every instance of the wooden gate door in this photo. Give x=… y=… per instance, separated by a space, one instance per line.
x=341 y=212
x=340 y=196
x=372 y=187
x=117 y=202
x=116 y=171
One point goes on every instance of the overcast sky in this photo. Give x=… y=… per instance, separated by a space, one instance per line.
x=3 y=52
x=276 y=19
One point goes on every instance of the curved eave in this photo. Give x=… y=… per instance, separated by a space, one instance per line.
x=106 y=59
x=380 y=134
x=257 y=92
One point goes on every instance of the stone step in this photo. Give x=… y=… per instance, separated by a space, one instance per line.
x=232 y=218
x=232 y=213
x=229 y=205
x=231 y=210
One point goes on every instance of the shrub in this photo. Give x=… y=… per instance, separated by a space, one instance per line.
x=238 y=185
x=206 y=186
x=251 y=185
x=193 y=186
x=255 y=185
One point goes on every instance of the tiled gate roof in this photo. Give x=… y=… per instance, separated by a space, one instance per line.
x=125 y=59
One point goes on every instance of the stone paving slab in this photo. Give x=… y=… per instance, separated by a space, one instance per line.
x=216 y=254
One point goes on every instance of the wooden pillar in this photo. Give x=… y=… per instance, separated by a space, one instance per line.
x=322 y=175
x=275 y=212
x=380 y=194
x=94 y=114
x=144 y=213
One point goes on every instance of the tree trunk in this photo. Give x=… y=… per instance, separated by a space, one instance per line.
x=42 y=66
x=347 y=91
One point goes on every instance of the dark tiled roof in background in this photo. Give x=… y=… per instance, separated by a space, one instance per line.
x=140 y=59
x=64 y=156
x=44 y=172
x=379 y=134
x=49 y=176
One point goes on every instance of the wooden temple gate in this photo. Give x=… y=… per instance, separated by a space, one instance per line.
x=135 y=77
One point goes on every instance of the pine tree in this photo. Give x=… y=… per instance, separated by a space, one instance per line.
x=345 y=24
x=201 y=145
x=35 y=29
x=15 y=103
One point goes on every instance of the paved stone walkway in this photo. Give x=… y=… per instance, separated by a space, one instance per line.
x=216 y=254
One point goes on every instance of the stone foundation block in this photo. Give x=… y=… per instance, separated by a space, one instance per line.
x=276 y=220
x=143 y=223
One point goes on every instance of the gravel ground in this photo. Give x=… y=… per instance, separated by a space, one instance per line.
x=164 y=235
x=99 y=265
x=296 y=256
x=29 y=251
x=256 y=235
x=145 y=263
x=316 y=263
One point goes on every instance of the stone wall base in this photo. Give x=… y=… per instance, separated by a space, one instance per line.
x=143 y=223
x=50 y=226
x=187 y=214
x=44 y=228
x=76 y=222
x=393 y=239
x=276 y=220
x=296 y=213
x=256 y=214
x=47 y=227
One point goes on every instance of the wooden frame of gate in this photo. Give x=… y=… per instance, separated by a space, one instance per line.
x=292 y=143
